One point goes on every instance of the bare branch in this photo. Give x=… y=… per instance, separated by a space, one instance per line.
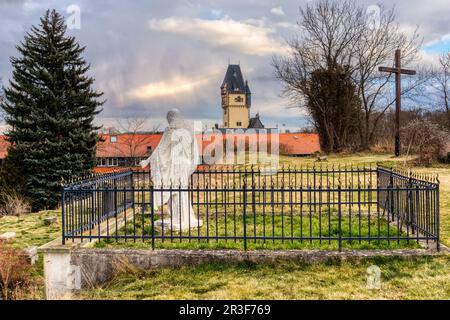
x=338 y=33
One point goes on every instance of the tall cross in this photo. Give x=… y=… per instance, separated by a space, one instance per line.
x=398 y=93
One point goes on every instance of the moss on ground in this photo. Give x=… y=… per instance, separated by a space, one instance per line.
x=31 y=230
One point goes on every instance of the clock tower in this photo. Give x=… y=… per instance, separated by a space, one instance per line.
x=236 y=99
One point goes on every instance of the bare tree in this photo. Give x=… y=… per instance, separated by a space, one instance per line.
x=340 y=32
x=133 y=139
x=440 y=85
x=376 y=46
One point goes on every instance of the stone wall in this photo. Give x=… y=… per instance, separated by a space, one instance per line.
x=68 y=270
x=98 y=265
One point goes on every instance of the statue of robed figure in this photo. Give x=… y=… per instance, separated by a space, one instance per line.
x=171 y=164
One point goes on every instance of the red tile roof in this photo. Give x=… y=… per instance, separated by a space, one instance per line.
x=135 y=145
x=127 y=145
x=291 y=144
x=299 y=143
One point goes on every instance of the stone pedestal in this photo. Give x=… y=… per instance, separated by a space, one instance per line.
x=175 y=226
x=62 y=278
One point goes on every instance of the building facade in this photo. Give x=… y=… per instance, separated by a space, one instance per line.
x=236 y=99
x=128 y=149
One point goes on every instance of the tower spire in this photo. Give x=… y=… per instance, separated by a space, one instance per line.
x=236 y=99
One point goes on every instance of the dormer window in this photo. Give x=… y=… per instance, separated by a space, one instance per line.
x=113 y=139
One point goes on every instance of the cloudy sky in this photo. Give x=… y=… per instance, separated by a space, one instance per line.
x=149 y=56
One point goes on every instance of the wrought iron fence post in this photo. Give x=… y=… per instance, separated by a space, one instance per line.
x=391 y=197
x=152 y=209
x=410 y=206
x=245 y=214
x=438 y=232
x=340 y=216
x=254 y=209
x=63 y=200
x=116 y=200
x=253 y=176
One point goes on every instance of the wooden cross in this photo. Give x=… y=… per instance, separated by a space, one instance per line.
x=398 y=93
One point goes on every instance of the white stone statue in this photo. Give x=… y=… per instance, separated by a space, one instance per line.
x=171 y=164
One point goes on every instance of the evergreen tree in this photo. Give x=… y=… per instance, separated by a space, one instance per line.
x=334 y=106
x=50 y=107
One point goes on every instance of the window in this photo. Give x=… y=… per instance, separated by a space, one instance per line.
x=110 y=162
x=101 y=162
x=137 y=161
x=226 y=124
x=113 y=139
x=239 y=124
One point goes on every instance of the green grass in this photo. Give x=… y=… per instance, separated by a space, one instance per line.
x=31 y=230
x=286 y=226
x=421 y=278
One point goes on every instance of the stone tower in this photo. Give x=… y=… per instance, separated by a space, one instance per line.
x=236 y=99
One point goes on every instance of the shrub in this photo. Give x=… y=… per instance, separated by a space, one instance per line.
x=16 y=281
x=427 y=140
x=13 y=203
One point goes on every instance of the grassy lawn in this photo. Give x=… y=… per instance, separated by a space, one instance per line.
x=423 y=278
x=258 y=225
x=31 y=230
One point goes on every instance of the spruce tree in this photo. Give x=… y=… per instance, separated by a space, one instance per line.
x=50 y=107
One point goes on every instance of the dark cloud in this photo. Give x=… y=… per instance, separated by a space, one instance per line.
x=185 y=52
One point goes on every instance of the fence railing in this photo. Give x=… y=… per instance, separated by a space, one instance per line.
x=252 y=208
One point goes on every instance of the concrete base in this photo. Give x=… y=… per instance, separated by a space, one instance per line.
x=169 y=226
x=69 y=269
x=62 y=278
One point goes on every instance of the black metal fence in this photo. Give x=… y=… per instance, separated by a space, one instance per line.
x=252 y=208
